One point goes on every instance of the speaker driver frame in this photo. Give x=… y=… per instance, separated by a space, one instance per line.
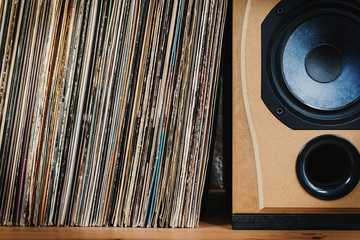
x=276 y=30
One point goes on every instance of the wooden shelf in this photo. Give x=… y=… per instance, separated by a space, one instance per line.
x=205 y=231
x=215 y=224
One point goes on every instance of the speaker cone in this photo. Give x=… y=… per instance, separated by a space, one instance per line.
x=328 y=167
x=321 y=64
x=311 y=65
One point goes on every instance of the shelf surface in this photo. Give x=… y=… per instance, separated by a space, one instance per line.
x=207 y=230
x=214 y=224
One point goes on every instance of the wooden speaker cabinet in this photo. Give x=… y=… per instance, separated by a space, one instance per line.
x=296 y=127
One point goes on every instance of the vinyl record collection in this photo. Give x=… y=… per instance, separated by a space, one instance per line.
x=106 y=110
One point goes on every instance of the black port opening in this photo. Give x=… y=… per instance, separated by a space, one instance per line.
x=328 y=164
x=328 y=167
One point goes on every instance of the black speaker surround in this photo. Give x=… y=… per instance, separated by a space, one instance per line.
x=311 y=65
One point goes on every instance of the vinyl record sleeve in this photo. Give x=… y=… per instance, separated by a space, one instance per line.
x=106 y=110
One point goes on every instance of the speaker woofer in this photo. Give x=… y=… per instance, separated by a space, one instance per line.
x=320 y=62
x=311 y=65
x=328 y=167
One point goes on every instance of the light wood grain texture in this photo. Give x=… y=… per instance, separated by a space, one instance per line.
x=205 y=231
x=244 y=171
x=264 y=149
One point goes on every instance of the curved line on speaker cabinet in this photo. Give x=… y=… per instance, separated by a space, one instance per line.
x=247 y=107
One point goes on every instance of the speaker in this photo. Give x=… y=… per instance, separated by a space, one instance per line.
x=296 y=114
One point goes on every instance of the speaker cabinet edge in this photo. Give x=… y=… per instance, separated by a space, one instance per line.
x=244 y=170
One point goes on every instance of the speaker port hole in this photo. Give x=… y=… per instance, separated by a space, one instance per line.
x=328 y=164
x=328 y=167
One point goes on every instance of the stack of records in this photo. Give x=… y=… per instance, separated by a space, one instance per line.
x=106 y=110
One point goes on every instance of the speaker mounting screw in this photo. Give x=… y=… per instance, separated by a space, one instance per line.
x=280 y=11
x=279 y=111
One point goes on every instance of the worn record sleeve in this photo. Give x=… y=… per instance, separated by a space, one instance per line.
x=166 y=136
x=38 y=44
x=64 y=186
x=174 y=217
x=170 y=147
x=52 y=103
x=159 y=8
x=24 y=124
x=106 y=110
x=13 y=114
x=6 y=63
x=132 y=106
x=17 y=137
x=208 y=84
x=115 y=153
x=213 y=75
x=66 y=109
x=121 y=118
x=4 y=25
x=1 y=9
x=84 y=127
x=155 y=106
x=58 y=100
x=46 y=110
x=9 y=113
x=110 y=105
x=73 y=165
x=101 y=24
x=142 y=112
x=97 y=117
x=4 y=93
x=198 y=112
x=42 y=104
x=62 y=106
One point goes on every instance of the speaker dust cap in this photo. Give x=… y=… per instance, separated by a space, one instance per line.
x=328 y=167
x=311 y=64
